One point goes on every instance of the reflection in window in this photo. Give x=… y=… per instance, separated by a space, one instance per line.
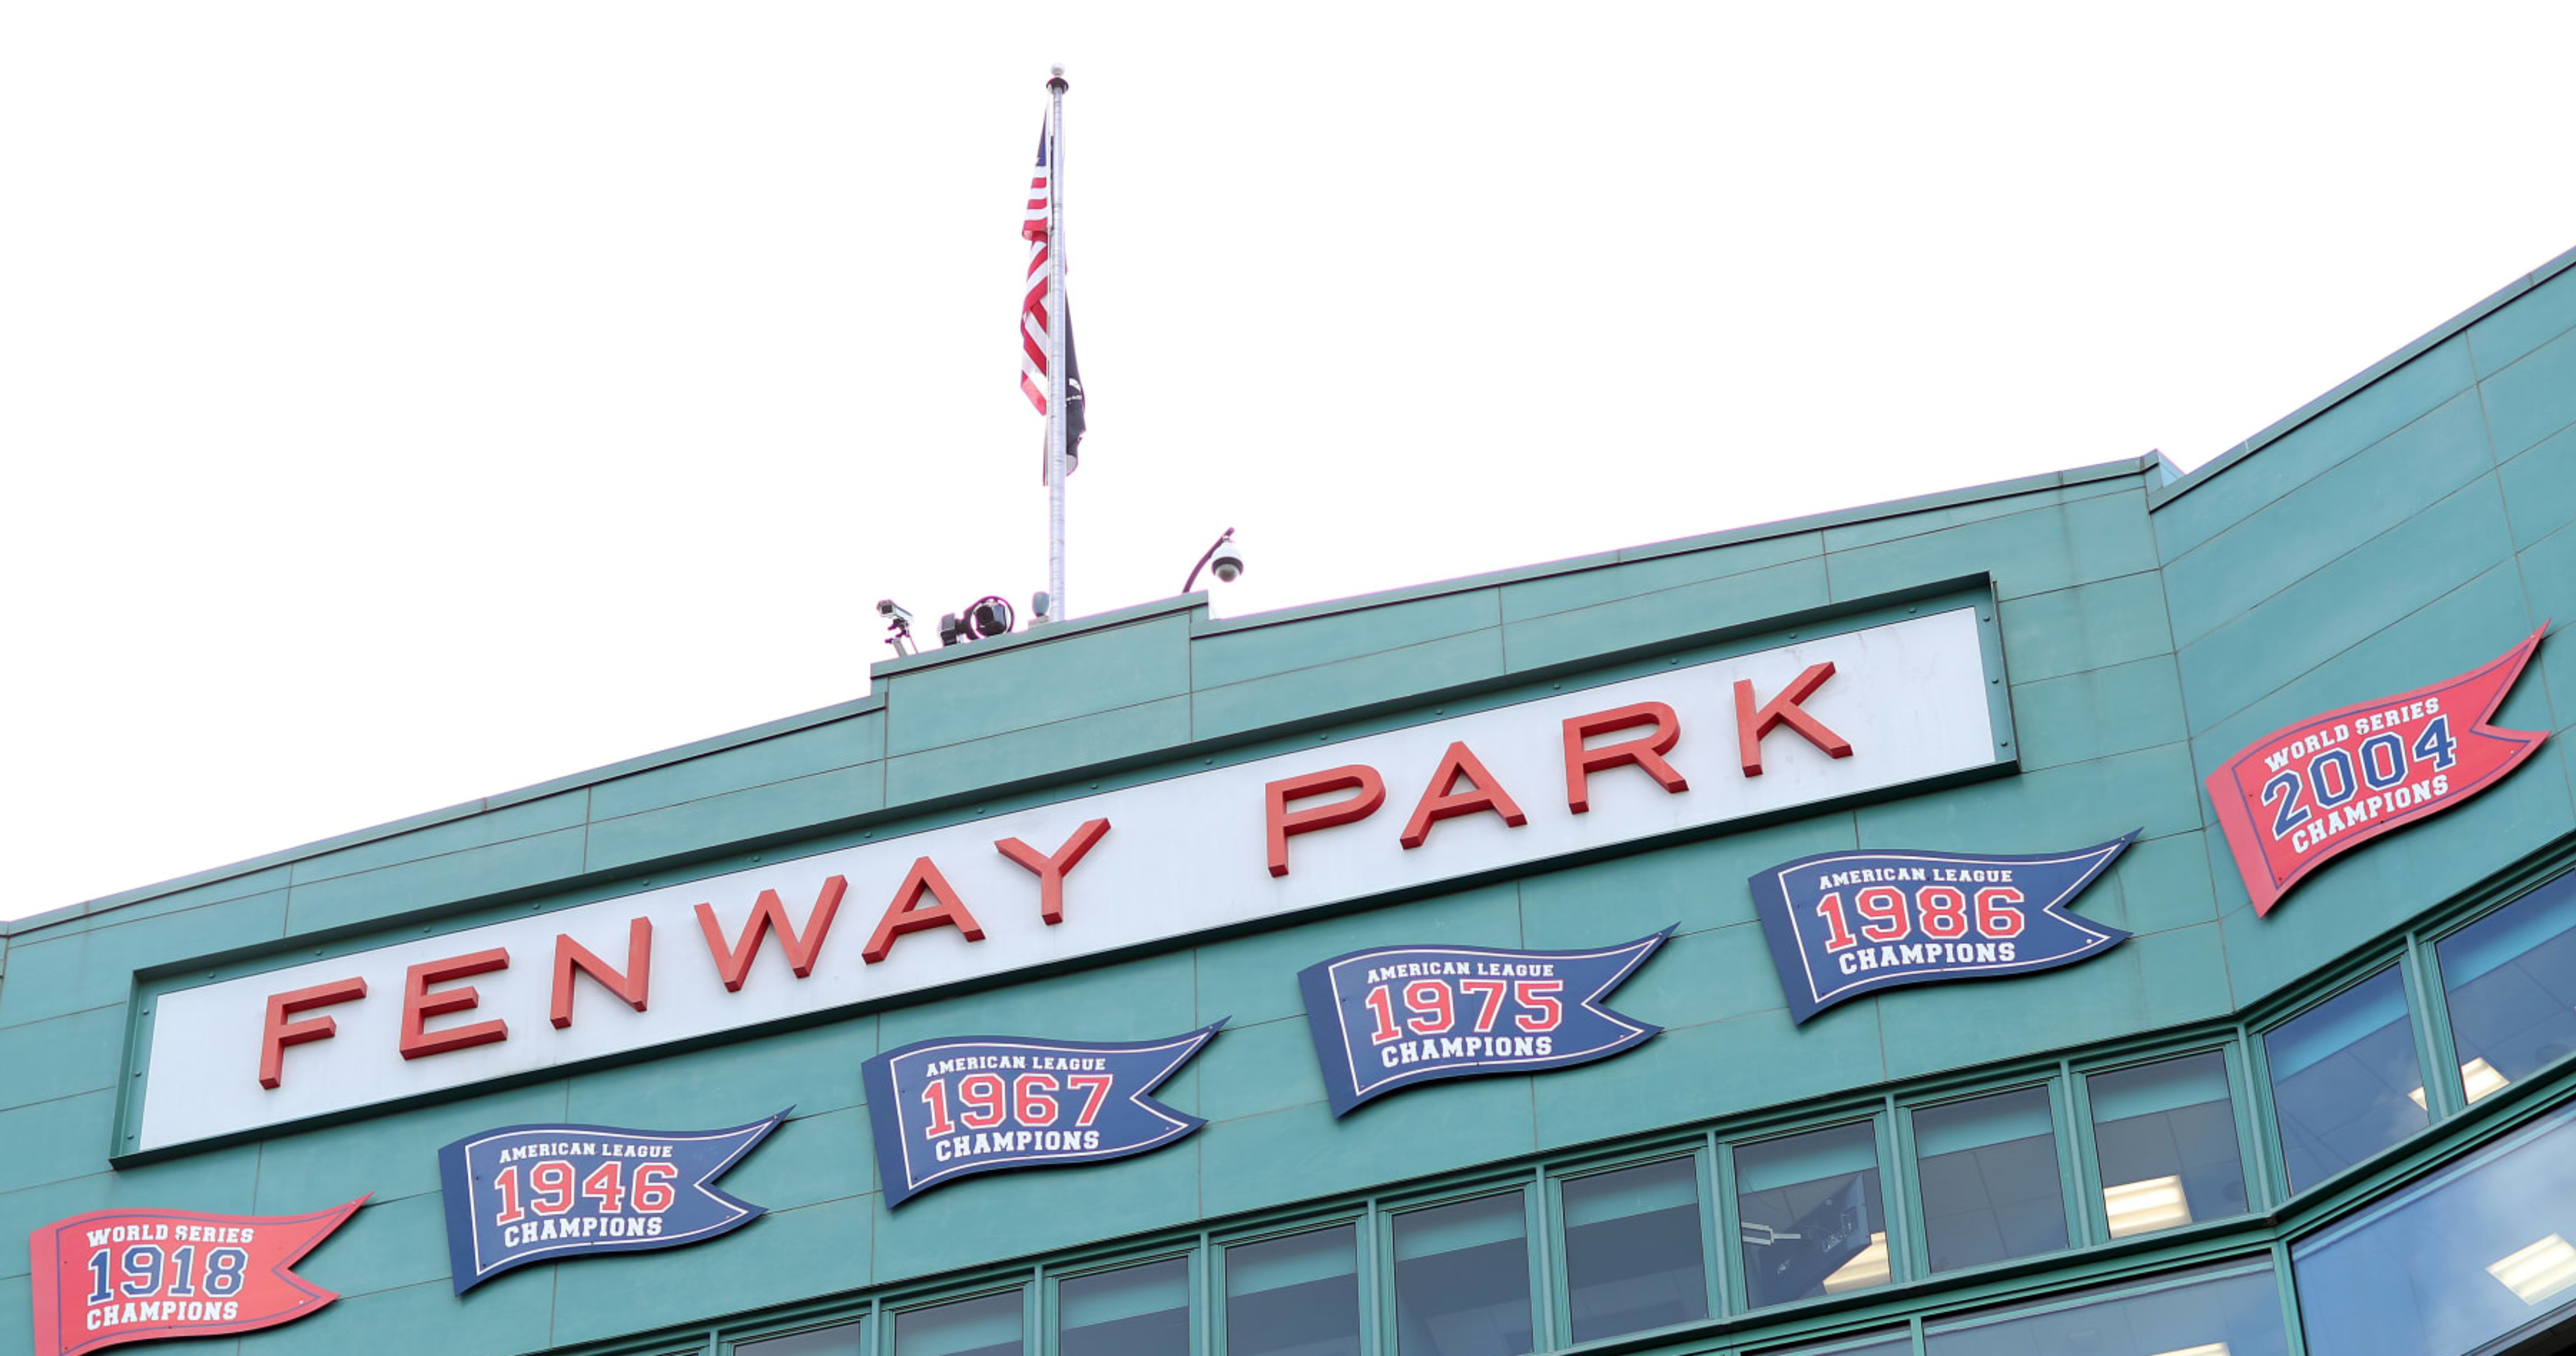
x=1135 y=1311
x=2238 y=1315
x=2345 y=1080
x=840 y=1341
x=2512 y=982
x=2483 y=1248
x=2165 y=1138
x=985 y=1326
x=1990 y=1186
x=1811 y=1221
x=1632 y=1253
x=1294 y=1296
x=1462 y=1279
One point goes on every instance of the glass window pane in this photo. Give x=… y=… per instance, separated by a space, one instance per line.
x=2345 y=1080
x=985 y=1326
x=1809 y=1213
x=1632 y=1249
x=1462 y=1279
x=1894 y=1342
x=2512 y=983
x=2236 y=1315
x=1294 y=1296
x=1990 y=1188
x=840 y=1341
x=2483 y=1248
x=1134 y=1311
x=2165 y=1138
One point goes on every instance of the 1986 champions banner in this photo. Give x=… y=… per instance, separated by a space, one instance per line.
x=1399 y=1015
x=543 y=1193
x=2298 y=796
x=951 y=1108
x=1843 y=924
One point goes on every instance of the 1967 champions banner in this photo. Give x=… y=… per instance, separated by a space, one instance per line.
x=2299 y=796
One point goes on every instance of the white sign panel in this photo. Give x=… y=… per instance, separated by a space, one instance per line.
x=1905 y=701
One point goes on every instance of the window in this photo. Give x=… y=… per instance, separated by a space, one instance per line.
x=1990 y=1185
x=840 y=1341
x=2482 y=1249
x=1294 y=1296
x=1134 y=1311
x=2164 y=1136
x=1810 y=1220
x=1893 y=1342
x=2227 y=1315
x=988 y=1325
x=2512 y=983
x=1632 y=1249
x=2345 y=1080
x=1462 y=1279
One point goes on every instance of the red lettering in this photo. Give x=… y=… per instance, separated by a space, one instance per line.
x=1751 y=725
x=419 y=1004
x=733 y=964
x=901 y=917
x=1051 y=870
x=281 y=1033
x=1284 y=822
x=1646 y=752
x=631 y=986
x=1443 y=800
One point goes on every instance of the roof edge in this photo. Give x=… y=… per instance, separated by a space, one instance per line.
x=2159 y=496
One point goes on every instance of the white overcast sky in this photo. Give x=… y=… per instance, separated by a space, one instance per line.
x=405 y=403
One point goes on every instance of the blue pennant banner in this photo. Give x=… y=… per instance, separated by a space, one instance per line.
x=1400 y=1015
x=545 y=1193
x=1842 y=924
x=946 y=1109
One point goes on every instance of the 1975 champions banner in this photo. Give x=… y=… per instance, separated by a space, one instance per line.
x=2299 y=796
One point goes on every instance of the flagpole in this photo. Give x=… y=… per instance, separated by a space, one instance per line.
x=1060 y=319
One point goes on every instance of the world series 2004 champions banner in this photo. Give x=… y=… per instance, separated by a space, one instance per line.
x=951 y=1108
x=1844 y=924
x=1389 y=1018
x=2299 y=796
x=543 y=1193
x=116 y=1276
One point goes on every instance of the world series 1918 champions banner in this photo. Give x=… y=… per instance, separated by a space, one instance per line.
x=1843 y=924
x=542 y=1193
x=143 y=1275
x=1392 y=1017
x=951 y=1108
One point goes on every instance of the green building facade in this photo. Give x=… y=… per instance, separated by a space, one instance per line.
x=2347 y=1125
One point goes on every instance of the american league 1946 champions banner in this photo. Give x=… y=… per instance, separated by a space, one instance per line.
x=962 y=1105
x=1392 y=1017
x=1843 y=924
x=548 y=1193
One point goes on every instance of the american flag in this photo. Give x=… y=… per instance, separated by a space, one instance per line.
x=1037 y=307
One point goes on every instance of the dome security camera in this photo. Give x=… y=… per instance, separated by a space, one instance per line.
x=1228 y=563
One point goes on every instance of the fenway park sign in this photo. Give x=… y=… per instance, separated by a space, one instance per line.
x=1682 y=748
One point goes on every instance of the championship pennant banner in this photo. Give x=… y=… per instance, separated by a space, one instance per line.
x=2297 y=797
x=117 y=1276
x=1843 y=924
x=1387 y=1019
x=537 y=1193
x=945 y=1109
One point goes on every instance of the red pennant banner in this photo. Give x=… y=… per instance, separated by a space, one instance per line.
x=116 y=1276
x=2294 y=799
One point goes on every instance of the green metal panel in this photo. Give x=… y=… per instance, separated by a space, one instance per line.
x=1665 y=614
x=2086 y=626
x=2537 y=316
x=755 y=812
x=1582 y=588
x=975 y=697
x=2032 y=552
x=1354 y=683
x=1038 y=750
x=2533 y=398
x=51 y=976
x=1222 y=658
x=2540 y=487
x=2097 y=713
x=450 y=878
x=827 y=747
